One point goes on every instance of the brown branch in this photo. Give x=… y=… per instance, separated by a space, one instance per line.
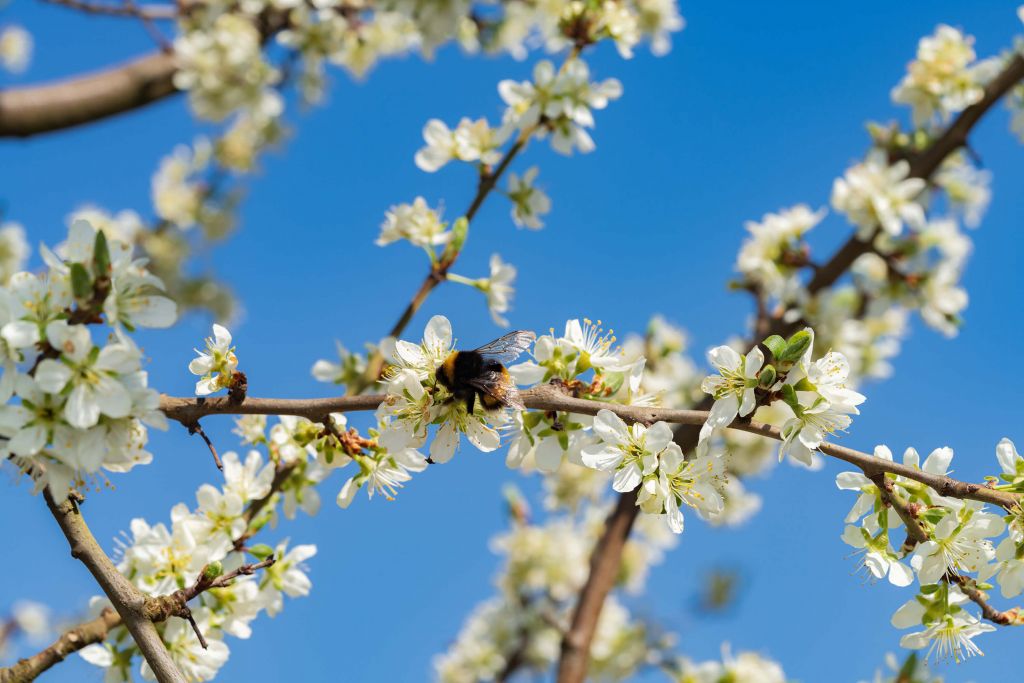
x=439 y=271
x=922 y=165
x=127 y=9
x=1010 y=617
x=915 y=532
x=87 y=633
x=40 y=109
x=129 y=602
x=605 y=562
x=549 y=397
x=197 y=429
x=176 y=604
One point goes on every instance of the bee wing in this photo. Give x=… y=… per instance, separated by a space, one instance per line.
x=500 y=387
x=506 y=349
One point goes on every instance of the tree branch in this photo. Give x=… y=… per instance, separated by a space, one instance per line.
x=127 y=9
x=922 y=165
x=93 y=631
x=915 y=532
x=40 y=109
x=129 y=602
x=549 y=397
x=1010 y=617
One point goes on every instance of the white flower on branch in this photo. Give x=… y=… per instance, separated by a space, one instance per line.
x=944 y=79
x=14 y=250
x=629 y=452
x=775 y=244
x=562 y=100
x=733 y=386
x=874 y=194
x=217 y=364
x=416 y=222
x=92 y=376
x=287 y=575
x=679 y=482
x=872 y=541
x=499 y=289
x=196 y=663
x=529 y=202
x=960 y=542
x=950 y=630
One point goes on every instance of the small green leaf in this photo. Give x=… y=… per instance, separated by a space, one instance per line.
x=213 y=570
x=81 y=283
x=767 y=376
x=789 y=396
x=929 y=588
x=261 y=551
x=460 y=230
x=775 y=344
x=796 y=346
x=805 y=385
x=101 y=254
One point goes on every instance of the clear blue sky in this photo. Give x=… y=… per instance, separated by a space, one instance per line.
x=759 y=106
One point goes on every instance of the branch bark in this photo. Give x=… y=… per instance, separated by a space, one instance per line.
x=34 y=110
x=129 y=602
x=549 y=397
x=93 y=631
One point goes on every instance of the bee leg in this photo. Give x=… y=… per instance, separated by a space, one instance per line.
x=470 y=402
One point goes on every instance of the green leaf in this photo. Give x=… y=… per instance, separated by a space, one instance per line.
x=460 y=230
x=213 y=570
x=796 y=346
x=767 y=376
x=805 y=385
x=81 y=283
x=101 y=254
x=789 y=396
x=775 y=344
x=929 y=588
x=261 y=551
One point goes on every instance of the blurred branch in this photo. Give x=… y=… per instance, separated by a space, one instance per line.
x=71 y=641
x=126 y=9
x=33 y=110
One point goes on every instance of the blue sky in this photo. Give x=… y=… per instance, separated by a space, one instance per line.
x=758 y=106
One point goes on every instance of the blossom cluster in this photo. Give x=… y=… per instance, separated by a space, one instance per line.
x=959 y=544
x=945 y=78
x=545 y=566
x=74 y=407
x=205 y=541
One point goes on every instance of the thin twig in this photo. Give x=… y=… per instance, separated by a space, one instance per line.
x=197 y=429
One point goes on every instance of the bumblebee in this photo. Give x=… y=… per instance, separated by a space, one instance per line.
x=482 y=372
